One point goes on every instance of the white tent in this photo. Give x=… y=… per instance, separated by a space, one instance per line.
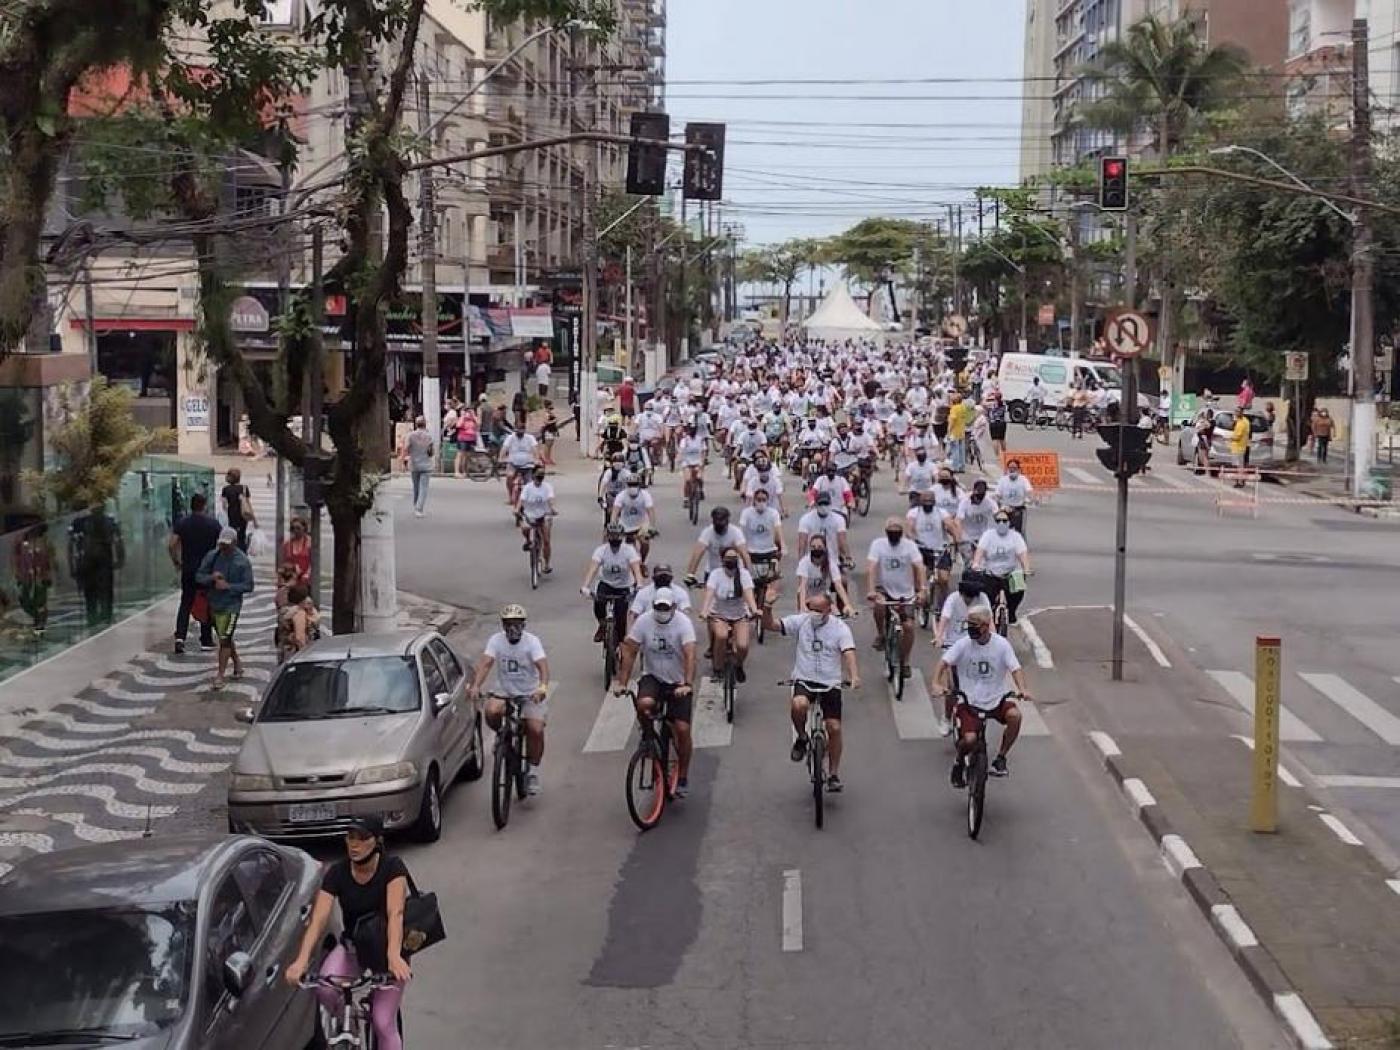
x=839 y=318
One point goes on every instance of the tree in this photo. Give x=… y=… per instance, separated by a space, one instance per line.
x=781 y=265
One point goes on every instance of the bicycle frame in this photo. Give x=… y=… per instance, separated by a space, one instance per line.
x=354 y=1024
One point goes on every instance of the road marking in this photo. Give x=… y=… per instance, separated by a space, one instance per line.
x=1346 y=780
x=612 y=728
x=1152 y=647
x=1174 y=479
x=709 y=726
x=1032 y=721
x=914 y=716
x=1084 y=476
x=1177 y=855
x=1107 y=748
x=1394 y=884
x=1357 y=704
x=1339 y=829
x=1283 y=773
x=1241 y=689
x=1299 y=1018
x=1232 y=924
x=1044 y=659
x=1138 y=794
x=792 y=910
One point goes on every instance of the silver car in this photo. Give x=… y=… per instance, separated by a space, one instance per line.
x=1263 y=453
x=365 y=724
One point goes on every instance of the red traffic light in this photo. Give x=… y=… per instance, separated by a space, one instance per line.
x=1113 y=169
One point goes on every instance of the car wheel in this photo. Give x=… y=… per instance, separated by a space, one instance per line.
x=475 y=764
x=428 y=826
x=1018 y=412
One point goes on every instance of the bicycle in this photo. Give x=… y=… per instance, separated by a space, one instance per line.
x=816 y=751
x=728 y=682
x=508 y=761
x=937 y=589
x=536 y=550
x=353 y=1028
x=654 y=768
x=1001 y=615
x=612 y=635
x=894 y=640
x=861 y=492
x=764 y=574
x=976 y=765
x=482 y=465
x=694 y=494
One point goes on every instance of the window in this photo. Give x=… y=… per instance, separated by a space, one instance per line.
x=1299 y=28
x=1053 y=373
x=230 y=930
x=263 y=880
x=448 y=660
x=432 y=675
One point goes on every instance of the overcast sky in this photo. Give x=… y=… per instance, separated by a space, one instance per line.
x=801 y=165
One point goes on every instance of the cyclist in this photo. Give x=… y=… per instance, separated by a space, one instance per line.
x=823 y=521
x=761 y=477
x=714 y=538
x=817 y=573
x=1035 y=400
x=690 y=454
x=834 y=484
x=952 y=625
x=635 y=510
x=666 y=638
x=762 y=526
x=662 y=577
x=982 y=659
x=519 y=453
x=636 y=458
x=611 y=482
x=1013 y=493
x=1000 y=552
x=522 y=669
x=618 y=567
x=365 y=882
x=748 y=442
x=947 y=493
x=932 y=530
x=894 y=572
x=728 y=607
x=810 y=444
x=919 y=476
x=536 y=507
x=826 y=654
x=651 y=427
x=612 y=439
x=844 y=451
x=921 y=438
x=975 y=513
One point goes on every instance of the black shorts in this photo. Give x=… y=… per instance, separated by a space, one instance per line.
x=942 y=558
x=626 y=411
x=828 y=697
x=998 y=431
x=678 y=708
x=940 y=431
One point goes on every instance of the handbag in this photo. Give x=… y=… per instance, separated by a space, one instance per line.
x=1016 y=582
x=199 y=607
x=422 y=928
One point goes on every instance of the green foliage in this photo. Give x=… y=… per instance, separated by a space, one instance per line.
x=599 y=15
x=878 y=247
x=95 y=447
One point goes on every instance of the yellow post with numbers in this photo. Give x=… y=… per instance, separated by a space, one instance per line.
x=1263 y=801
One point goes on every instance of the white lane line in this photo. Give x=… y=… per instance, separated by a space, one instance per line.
x=1138 y=794
x=914 y=716
x=612 y=727
x=1394 y=884
x=1177 y=855
x=1105 y=743
x=792 y=910
x=1232 y=924
x=1152 y=647
x=1299 y=1018
x=1175 y=480
x=1283 y=773
x=1044 y=659
x=1085 y=476
x=1357 y=704
x=1032 y=721
x=1339 y=829
x=709 y=726
x=1346 y=780
x=1241 y=689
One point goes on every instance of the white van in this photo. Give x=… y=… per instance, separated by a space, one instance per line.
x=1056 y=374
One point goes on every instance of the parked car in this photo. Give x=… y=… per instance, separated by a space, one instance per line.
x=157 y=944
x=372 y=724
x=1262 y=451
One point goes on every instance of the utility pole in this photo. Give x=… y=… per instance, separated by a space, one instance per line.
x=431 y=393
x=1076 y=322
x=311 y=425
x=284 y=307
x=590 y=272
x=683 y=350
x=92 y=318
x=1363 y=341
x=631 y=344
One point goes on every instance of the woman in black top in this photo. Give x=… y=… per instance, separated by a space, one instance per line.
x=236 y=496
x=367 y=882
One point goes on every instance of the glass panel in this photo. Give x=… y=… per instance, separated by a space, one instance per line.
x=309 y=690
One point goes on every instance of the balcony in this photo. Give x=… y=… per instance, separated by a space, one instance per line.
x=657 y=15
x=507 y=188
x=500 y=257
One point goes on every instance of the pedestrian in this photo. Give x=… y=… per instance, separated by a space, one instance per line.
x=297 y=622
x=238 y=506
x=1322 y=433
x=957 y=433
x=418 y=455
x=996 y=423
x=228 y=576
x=1244 y=400
x=1311 y=431
x=627 y=397
x=1079 y=409
x=549 y=433
x=95 y=555
x=34 y=558
x=1239 y=444
x=1205 y=431
x=296 y=549
x=542 y=374
x=191 y=538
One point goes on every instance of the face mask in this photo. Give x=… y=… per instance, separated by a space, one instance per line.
x=1014 y=473
x=1003 y=527
x=894 y=536
x=818 y=555
x=977 y=497
x=663 y=616
x=823 y=511
x=633 y=490
x=721 y=529
x=731 y=567
x=514 y=631
x=614 y=544
x=760 y=505
x=922 y=457
x=947 y=483
x=820 y=619
x=927 y=508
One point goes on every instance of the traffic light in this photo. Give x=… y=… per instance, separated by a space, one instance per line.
x=1113 y=183
x=704 y=168
x=1129 y=448
x=955 y=357
x=646 y=165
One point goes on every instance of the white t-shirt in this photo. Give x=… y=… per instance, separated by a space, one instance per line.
x=983 y=668
x=542 y=373
x=761 y=529
x=632 y=510
x=516 y=673
x=976 y=518
x=615 y=566
x=1001 y=554
x=819 y=648
x=821 y=575
x=726 y=605
x=954 y=614
x=715 y=545
x=830 y=527
x=948 y=499
x=519 y=449
x=690 y=451
x=663 y=644
x=1013 y=492
x=838 y=486
x=642 y=602
x=920 y=476
x=927 y=529
x=895 y=566
x=535 y=498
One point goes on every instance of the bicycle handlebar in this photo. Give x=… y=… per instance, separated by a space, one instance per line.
x=348 y=984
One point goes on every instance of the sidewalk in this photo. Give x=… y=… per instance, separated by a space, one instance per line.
x=1311 y=916
x=1328 y=481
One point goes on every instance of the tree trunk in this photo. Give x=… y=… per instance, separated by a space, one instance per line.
x=346 y=517
x=787 y=301
x=32 y=167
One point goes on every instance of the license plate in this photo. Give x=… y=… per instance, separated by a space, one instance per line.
x=311 y=813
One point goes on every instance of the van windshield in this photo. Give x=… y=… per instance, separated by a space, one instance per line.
x=1109 y=376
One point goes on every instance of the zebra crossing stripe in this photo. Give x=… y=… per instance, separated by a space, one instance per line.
x=1084 y=476
x=612 y=727
x=1240 y=688
x=1357 y=704
x=709 y=726
x=914 y=716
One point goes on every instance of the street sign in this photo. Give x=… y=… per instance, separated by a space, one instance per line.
x=956 y=326
x=1295 y=366
x=1042 y=469
x=1128 y=333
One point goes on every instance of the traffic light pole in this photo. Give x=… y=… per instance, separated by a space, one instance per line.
x=1128 y=411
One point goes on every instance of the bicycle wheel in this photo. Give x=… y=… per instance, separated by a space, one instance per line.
x=609 y=651
x=999 y=617
x=976 y=791
x=670 y=762
x=693 y=504
x=501 y=783
x=940 y=595
x=518 y=764
x=863 y=499
x=924 y=612
x=816 y=767
x=891 y=649
x=534 y=565
x=646 y=786
x=896 y=662
x=729 y=687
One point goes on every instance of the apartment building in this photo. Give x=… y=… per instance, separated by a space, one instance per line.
x=1319 y=61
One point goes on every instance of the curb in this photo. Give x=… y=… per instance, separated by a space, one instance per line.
x=1215 y=905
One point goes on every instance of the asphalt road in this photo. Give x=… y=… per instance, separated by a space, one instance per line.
x=1060 y=927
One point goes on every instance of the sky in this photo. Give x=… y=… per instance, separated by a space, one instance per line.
x=819 y=157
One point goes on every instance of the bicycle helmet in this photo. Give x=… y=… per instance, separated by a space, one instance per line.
x=615 y=531
x=513 y=622
x=513 y=612
x=633 y=479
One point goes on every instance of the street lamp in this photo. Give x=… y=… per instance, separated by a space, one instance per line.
x=1231 y=150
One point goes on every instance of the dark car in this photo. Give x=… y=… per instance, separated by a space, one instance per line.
x=157 y=944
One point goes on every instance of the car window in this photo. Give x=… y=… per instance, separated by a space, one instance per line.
x=230 y=929
x=315 y=689
x=451 y=667
x=1053 y=373
x=263 y=879
x=432 y=674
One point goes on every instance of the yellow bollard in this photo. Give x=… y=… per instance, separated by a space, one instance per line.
x=1263 y=802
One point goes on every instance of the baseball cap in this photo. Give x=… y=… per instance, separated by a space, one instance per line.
x=823 y=499
x=663 y=599
x=227 y=535
x=367 y=824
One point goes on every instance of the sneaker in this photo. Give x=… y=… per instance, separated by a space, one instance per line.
x=799 y=749
x=998 y=768
x=833 y=784
x=208 y=647
x=905 y=672
x=682 y=788
x=945 y=727
x=217 y=683
x=878 y=644
x=417 y=513
x=739 y=675
x=598 y=634
x=525 y=546
x=959 y=778
x=547 y=569
x=179 y=646
x=532 y=783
